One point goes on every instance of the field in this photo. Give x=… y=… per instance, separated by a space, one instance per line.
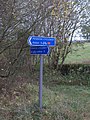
x=79 y=54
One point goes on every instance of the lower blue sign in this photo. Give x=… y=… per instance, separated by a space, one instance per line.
x=39 y=50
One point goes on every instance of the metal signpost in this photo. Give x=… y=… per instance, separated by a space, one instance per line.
x=40 y=81
x=40 y=45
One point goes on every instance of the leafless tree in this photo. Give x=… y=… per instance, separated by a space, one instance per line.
x=19 y=19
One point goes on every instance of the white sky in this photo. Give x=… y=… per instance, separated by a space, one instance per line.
x=78 y=36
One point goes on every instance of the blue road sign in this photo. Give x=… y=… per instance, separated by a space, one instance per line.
x=40 y=45
x=41 y=41
x=39 y=50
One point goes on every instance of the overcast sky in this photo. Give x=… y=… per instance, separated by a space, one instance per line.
x=78 y=36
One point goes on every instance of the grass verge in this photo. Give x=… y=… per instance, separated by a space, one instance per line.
x=59 y=103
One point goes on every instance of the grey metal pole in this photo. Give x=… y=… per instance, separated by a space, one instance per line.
x=40 y=81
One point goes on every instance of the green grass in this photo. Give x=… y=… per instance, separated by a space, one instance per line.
x=59 y=103
x=76 y=99
x=79 y=54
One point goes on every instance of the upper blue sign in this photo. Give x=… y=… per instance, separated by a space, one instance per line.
x=41 y=41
